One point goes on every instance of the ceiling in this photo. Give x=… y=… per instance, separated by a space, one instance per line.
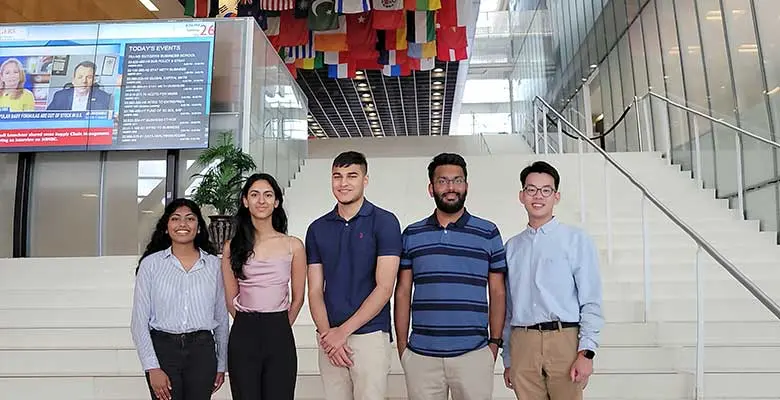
x=84 y=10
x=377 y=105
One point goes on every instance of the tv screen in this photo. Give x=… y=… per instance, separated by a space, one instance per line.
x=107 y=86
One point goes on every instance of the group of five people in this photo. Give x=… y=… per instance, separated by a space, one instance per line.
x=464 y=292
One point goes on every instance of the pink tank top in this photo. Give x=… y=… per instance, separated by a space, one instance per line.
x=266 y=287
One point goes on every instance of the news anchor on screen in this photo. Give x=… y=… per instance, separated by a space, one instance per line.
x=13 y=95
x=81 y=94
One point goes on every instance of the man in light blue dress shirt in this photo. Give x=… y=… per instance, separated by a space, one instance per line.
x=553 y=314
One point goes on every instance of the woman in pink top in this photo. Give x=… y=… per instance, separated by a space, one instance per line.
x=259 y=265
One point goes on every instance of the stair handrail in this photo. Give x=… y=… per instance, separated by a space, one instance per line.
x=741 y=131
x=700 y=241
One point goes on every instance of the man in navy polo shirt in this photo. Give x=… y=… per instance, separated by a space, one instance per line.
x=353 y=254
x=453 y=259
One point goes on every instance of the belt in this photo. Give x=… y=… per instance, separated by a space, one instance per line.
x=550 y=326
x=181 y=336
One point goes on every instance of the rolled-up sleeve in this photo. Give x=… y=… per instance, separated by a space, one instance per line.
x=142 y=310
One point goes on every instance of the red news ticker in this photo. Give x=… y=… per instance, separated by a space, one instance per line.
x=55 y=137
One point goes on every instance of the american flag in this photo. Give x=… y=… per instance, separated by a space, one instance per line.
x=277 y=5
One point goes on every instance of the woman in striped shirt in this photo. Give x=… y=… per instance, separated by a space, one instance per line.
x=180 y=320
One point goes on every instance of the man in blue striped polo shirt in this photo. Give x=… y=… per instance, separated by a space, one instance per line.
x=450 y=258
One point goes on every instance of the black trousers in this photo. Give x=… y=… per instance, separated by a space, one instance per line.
x=189 y=360
x=262 y=361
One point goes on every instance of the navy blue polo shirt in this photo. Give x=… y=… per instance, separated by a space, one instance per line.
x=348 y=251
x=450 y=268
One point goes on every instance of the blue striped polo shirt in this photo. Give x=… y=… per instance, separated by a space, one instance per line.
x=450 y=267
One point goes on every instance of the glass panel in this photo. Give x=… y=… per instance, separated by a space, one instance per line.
x=618 y=136
x=655 y=74
x=768 y=18
x=639 y=64
x=8 y=164
x=695 y=88
x=627 y=80
x=65 y=205
x=721 y=95
x=134 y=197
x=751 y=100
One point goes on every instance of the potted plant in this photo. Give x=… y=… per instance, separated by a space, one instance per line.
x=225 y=167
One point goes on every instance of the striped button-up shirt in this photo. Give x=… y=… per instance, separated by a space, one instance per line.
x=171 y=299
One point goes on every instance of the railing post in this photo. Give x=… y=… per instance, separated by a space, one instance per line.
x=648 y=129
x=544 y=131
x=667 y=131
x=646 y=257
x=699 y=327
x=560 y=136
x=740 y=183
x=697 y=150
x=638 y=124
x=536 y=129
x=581 y=173
x=608 y=209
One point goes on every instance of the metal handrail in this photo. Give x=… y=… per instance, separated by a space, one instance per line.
x=703 y=243
x=711 y=118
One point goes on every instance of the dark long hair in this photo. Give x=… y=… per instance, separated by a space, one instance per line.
x=161 y=240
x=243 y=243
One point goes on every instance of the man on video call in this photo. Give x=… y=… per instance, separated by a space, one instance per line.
x=80 y=94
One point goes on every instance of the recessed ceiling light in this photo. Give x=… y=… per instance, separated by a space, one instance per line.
x=366 y=95
x=362 y=84
x=359 y=73
x=436 y=103
x=371 y=114
x=437 y=83
x=437 y=94
x=437 y=70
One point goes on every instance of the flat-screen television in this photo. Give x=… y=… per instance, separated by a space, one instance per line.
x=105 y=86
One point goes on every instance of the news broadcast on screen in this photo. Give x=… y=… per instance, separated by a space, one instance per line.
x=112 y=86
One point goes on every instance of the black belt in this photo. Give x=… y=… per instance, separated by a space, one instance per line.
x=550 y=326
x=181 y=336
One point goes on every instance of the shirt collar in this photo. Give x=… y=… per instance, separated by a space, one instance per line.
x=460 y=223
x=167 y=253
x=365 y=210
x=546 y=228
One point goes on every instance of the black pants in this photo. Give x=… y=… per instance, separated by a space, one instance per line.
x=262 y=361
x=189 y=360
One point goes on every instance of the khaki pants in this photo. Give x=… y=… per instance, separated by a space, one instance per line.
x=541 y=364
x=468 y=377
x=367 y=378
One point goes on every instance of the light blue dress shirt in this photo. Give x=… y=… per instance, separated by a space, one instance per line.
x=171 y=299
x=553 y=275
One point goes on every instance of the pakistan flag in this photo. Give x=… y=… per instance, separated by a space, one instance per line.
x=322 y=16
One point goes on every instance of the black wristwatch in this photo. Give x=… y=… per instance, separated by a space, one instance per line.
x=589 y=354
x=497 y=341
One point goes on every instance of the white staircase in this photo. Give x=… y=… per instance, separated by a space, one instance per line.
x=64 y=323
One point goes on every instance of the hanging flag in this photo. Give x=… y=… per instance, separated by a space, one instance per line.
x=342 y=71
x=197 y=8
x=352 y=6
x=272 y=26
x=388 y=14
x=420 y=27
x=396 y=70
x=310 y=63
x=453 y=13
x=421 y=64
x=445 y=53
x=295 y=32
x=422 y=5
x=322 y=16
x=277 y=5
x=332 y=40
x=361 y=35
x=302 y=51
x=392 y=57
x=335 y=57
x=453 y=37
x=422 y=50
x=396 y=39
x=388 y=5
x=302 y=8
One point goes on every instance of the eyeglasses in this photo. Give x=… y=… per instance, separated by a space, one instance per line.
x=531 y=190
x=455 y=181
